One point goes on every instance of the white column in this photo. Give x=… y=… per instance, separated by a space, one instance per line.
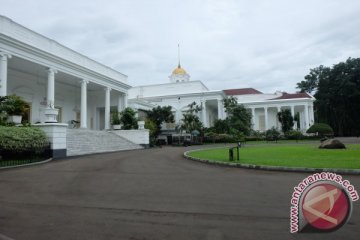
x=220 y=111
x=83 y=113
x=107 y=107
x=266 y=118
x=51 y=88
x=203 y=112
x=278 y=123
x=119 y=104
x=253 y=118
x=293 y=115
x=312 y=120
x=306 y=110
x=126 y=100
x=3 y=72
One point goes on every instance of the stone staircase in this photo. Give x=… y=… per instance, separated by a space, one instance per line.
x=84 y=141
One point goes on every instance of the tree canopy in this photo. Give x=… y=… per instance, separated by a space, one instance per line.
x=286 y=120
x=238 y=120
x=159 y=115
x=337 y=93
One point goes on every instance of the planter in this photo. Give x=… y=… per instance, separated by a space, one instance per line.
x=141 y=125
x=51 y=115
x=117 y=127
x=15 y=119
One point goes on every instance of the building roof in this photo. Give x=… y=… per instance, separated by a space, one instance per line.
x=241 y=91
x=292 y=96
x=179 y=70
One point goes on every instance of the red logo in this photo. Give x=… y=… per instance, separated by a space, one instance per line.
x=325 y=207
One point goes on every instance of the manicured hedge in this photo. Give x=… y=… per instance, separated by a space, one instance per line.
x=320 y=128
x=22 y=142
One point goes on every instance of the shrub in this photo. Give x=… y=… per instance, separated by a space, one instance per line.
x=18 y=142
x=13 y=105
x=220 y=138
x=152 y=131
x=272 y=134
x=320 y=129
x=294 y=135
x=128 y=119
x=115 y=118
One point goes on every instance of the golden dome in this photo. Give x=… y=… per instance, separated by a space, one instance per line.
x=179 y=70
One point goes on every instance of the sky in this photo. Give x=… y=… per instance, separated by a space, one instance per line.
x=263 y=44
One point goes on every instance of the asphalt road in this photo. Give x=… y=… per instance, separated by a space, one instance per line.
x=151 y=194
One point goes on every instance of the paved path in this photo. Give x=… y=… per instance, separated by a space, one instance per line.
x=150 y=194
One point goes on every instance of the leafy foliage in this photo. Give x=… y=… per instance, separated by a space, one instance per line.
x=286 y=120
x=128 y=119
x=191 y=121
x=239 y=118
x=294 y=135
x=320 y=128
x=159 y=115
x=152 y=131
x=22 y=141
x=115 y=118
x=337 y=93
x=272 y=134
x=13 y=105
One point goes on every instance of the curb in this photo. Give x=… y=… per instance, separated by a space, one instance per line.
x=27 y=165
x=269 y=168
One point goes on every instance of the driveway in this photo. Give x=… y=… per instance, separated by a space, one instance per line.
x=150 y=194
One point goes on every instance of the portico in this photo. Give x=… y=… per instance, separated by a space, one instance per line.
x=56 y=80
x=264 y=115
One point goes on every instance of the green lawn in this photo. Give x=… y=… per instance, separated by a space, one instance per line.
x=295 y=155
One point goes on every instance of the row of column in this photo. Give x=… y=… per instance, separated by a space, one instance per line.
x=309 y=117
x=51 y=92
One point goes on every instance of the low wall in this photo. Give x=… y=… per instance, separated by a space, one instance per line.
x=140 y=137
x=56 y=134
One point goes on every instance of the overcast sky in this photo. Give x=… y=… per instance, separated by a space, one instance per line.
x=268 y=45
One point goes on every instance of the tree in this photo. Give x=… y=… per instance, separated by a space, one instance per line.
x=311 y=82
x=159 y=115
x=151 y=126
x=286 y=120
x=222 y=126
x=128 y=119
x=320 y=129
x=239 y=118
x=191 y=121
x=337 y=93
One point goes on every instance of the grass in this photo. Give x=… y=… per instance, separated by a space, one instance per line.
x=295 y=155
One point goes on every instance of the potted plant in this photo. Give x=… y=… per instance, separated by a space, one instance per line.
x=14 y=106
x=115 y=120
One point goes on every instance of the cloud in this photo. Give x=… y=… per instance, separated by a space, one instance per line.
x=269 y=45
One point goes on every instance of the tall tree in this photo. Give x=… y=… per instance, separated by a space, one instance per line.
x=337 y=93
x=239 y=118
x=286 y=120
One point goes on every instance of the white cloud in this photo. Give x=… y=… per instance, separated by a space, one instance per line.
x=269 y=45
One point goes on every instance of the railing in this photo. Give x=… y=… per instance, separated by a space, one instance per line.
x=16 y=162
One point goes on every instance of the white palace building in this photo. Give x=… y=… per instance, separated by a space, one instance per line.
x=62 y=85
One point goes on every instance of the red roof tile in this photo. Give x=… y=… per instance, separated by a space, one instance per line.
x=241 y=91
x=292 y=95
